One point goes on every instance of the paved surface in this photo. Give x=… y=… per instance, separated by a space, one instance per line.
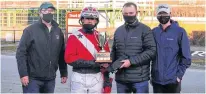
x=194 y=79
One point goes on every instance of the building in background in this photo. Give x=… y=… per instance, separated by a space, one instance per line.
x=18 y=14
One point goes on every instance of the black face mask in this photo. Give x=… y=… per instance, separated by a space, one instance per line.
x=163 y=19
x=88 y=27
x=130 y=19
x=47 y=17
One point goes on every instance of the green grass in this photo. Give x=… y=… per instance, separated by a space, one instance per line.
x=199 y=61
x=8 y=49
x=5 y=42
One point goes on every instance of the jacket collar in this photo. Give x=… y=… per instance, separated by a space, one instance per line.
x=133 y=25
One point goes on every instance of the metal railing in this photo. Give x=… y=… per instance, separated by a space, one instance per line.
x=13 y=35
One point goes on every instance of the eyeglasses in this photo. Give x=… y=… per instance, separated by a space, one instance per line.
x=45 y=11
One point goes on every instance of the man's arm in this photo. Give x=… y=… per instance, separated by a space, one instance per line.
x=149 y=50
x=80 y=63
x=21 y=53
x=113 y=50
x=185 y=56
x=62 y=63
x=110 y=68
x=116 y=63
x=72 y=55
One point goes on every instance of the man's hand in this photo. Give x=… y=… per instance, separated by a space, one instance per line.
x=63 y=80
x=25 y=80
x=126 y=63
x=178 y=80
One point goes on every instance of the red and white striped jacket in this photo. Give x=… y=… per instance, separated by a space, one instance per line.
x=75 y=49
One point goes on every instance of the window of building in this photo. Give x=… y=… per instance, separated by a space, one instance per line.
x=5 y=25
x=5 y=18
x=5 y=21
x=5 y=14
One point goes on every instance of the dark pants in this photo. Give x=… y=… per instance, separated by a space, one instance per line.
x=141 y=87
x=169 y=88
x=39 y=86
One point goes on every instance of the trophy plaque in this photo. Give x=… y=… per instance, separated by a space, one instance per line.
x=102 y=56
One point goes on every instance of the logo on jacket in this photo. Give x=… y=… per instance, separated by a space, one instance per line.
x=170 y=39
x=133 y=37
x=57 y=36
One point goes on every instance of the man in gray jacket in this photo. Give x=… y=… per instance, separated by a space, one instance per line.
x=41 y=52
x=133 y=49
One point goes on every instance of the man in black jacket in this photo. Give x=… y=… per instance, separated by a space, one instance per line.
x=133 y=49
x=41 y=52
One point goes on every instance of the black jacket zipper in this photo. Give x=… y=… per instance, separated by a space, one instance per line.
x=49 y=46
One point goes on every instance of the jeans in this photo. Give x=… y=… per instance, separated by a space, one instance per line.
x=141 y=87
x=39 y=86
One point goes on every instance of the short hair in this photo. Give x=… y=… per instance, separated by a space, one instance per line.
x=128 y=4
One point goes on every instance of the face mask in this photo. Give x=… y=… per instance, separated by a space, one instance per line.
x=47 y=17
x=129 y=19
x=163 y=19
x=88 y=27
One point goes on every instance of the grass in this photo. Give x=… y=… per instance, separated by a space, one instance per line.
x=199 y=61
x=5 y=42
x=8 y=49
x=13 y=48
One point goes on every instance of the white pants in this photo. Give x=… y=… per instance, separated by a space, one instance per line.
x=86 y=83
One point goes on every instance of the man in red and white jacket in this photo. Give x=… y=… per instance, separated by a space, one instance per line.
x=82 y=46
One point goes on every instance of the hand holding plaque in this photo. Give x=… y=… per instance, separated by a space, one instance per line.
x=102 y=56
